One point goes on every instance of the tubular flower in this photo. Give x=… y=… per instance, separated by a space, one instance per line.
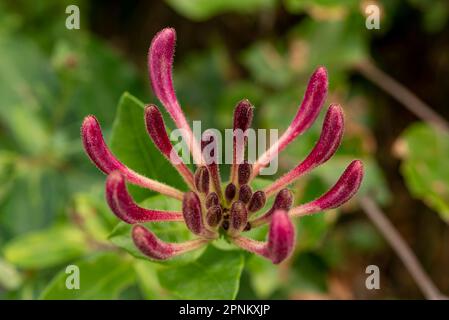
x=211 y=209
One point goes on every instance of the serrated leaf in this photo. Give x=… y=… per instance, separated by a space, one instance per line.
x=216 y=275
x=46 y=248
x=132 y=145
x=102 y=276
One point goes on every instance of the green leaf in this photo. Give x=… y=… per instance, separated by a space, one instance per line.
x=216 y=275
x=204 y=9
x=147 y=280
x=46 y=248
x=167 y=231
x=102 y=276
x=132 y=145
x=265 y=276
x=10 y=278
x=425 y=151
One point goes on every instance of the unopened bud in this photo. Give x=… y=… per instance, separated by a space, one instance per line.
x=191 y=210
x=238 y=217
x=244 y=173
x=212 y=200
x=230 y=191
x=202 y=180
x=213 y=216
x=257 y=201
x=245 y=193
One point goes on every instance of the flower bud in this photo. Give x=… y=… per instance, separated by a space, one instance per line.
x=238 y=217
x=326 y=146
x=283 y=200
x=230 y=191
x=343 y=190
x=202 y=180
x=244 y=173
x=126 y=209
x=243 y=115
x=257 y=201
x=191 y=210
x=212 y=200
x=213 y=216
x=245 y=193
x=156 y=129
x=281 y=237
x=153 y=247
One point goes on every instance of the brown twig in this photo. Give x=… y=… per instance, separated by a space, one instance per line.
x=404 y=252
x=402 y=94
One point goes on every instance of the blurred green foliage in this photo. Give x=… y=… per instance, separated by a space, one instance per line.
x=52 y=209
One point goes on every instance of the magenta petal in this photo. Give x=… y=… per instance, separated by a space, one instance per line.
x=102 y=157
x=343 y=190
x=158 y=133
x=153 y=247
x=156 y=129
x=160 y=65
x=281 y=237
x=126 y=209
x=325 y=148
x=311 y=105
x=280 y=243
x=308 y=111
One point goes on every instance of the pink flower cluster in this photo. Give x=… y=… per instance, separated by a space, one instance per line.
x=208 y=209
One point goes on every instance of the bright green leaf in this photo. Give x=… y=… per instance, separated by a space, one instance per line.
x=46 y=248
x=102 y=276
x=216 y=275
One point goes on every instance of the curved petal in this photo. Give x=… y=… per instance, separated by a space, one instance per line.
x=102 y=157
x=343 y=190
x=160 y=65
x=325 y=148
x=158 y=134
x=307 y=113
x=126 y=209
x=153 y=247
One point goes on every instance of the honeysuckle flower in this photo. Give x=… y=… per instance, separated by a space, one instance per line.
x=209 y=208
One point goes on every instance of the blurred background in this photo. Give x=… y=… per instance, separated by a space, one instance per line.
x=52 y=208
